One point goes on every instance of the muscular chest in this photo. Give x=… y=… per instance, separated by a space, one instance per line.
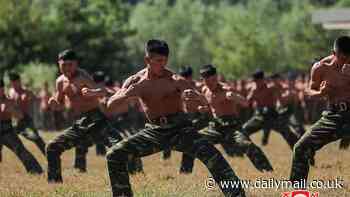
x=161 y=89
x=214 y=98
x=72 y=89
x=336 y=79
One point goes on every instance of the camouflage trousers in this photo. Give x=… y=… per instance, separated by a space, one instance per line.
x=92 y=127
x=27 y=129
x=226 y=131
x=199 y=121
x=333 y=125
x=298 y=119
x=10 y=139
x=288 y=115
x=268 y=118
x=171 y=132
x=125 y=124
x=128 y=125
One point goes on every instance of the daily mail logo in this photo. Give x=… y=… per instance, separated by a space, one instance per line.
x=300 y=193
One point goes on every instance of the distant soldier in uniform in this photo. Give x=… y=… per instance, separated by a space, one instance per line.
x=161 y=93
x=46 y=113
x=276 y=86
x=265 y=116
x=80 y=160
x=91 y=127
x=99 y=78
x=8 y=137
x=225 y=126
x=24 y=99
x=330 y=80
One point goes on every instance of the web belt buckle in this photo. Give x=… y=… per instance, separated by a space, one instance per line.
x=343 y=106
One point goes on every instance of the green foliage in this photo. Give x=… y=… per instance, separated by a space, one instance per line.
x=184 y=25
x=35 y=74
x=343 y=3
x=236 y=35
x=37 y=31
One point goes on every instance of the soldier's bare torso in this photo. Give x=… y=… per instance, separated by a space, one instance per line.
x=72 y=90
x=160 y=96
x=338 y=81
x=23 y=99
x=7 y=108
x=219 y=104
x=262 y=95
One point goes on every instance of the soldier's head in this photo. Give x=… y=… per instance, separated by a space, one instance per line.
x=99 y=77
x=341 y=50
x=186 y=72
x=276 y=78
x=156 y=55
x=68 y=62
x=15 y=80
x=258 y=75
x=209 y=75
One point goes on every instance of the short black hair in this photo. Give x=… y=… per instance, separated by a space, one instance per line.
x=185 y=71
x=155 y=46
x=342 y=45
x=68 y=54
x=258 y=74
x=99 y=76
x=291 y=75
x=275 y=76
x=207 y=70
x=13 y=76
x=109 y=81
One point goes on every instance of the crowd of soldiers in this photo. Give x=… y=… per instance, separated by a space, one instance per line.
x=158 y=110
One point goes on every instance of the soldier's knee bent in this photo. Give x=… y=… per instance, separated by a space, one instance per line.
x=53 y=147
x=116 y=154
x=301 y=147
x=203 y=150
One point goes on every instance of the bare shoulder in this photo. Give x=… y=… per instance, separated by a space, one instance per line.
x=204 y=89
x=59 y=82
x=134 y=79
x=83 y=75
x=323 y=63
x=11 y=92
x=60 y=79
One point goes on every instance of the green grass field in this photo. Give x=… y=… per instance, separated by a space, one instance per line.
x=161 y=178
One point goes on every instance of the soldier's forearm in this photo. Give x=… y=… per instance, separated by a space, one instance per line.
x=313 y=93
x=114 y=102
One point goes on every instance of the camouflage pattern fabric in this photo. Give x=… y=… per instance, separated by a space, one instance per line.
x=172 y=132
x=10 y=139
x=26 y=128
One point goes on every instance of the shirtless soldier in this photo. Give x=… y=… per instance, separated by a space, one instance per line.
x=90 y=127
x=265 y=115
x=225 y=126
x=276 y=85
x=329 y=80
x=161 y=92
x=186 y=72
x=8 y=138
x=24 y=99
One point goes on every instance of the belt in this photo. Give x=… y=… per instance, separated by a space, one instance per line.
x=340 y=106
x=168 y=119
